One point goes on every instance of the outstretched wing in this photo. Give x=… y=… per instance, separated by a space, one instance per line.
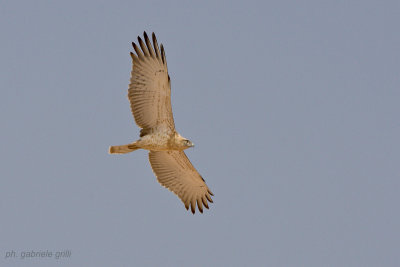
x=150 y=89
x=175 y=172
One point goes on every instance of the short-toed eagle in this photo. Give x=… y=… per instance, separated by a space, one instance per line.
x=149 y=94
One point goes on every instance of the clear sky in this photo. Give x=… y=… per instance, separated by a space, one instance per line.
x=294 y=107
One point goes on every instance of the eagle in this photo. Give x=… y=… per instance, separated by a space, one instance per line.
x=149 y=95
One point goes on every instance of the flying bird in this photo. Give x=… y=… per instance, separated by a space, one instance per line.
x=149 y=94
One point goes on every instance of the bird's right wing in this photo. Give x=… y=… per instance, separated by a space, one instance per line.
x=150 y=89
x=175 y=172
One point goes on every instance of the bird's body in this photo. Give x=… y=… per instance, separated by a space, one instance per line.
x=150 y=96
x=156 y=141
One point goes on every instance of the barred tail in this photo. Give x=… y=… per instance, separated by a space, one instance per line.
x=123 y=149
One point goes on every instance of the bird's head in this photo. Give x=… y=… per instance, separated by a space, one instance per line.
x=187 y=143
x=183 y=142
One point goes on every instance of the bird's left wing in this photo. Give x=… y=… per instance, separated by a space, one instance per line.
x=150 y=86
x=175 y=172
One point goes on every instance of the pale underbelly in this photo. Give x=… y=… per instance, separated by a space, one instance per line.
x=156 y=142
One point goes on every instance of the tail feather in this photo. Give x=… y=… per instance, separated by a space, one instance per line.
x=122 y=149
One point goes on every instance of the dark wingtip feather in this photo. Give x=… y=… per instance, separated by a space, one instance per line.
x=133 y=56
x=193 y=207
x=143 y=46
x=199 y=205
x=162 y=53
x=148 y=44
x=145 y=36
x=137 y=50
x=135 y=46
x=204 y=202
x=155 y=44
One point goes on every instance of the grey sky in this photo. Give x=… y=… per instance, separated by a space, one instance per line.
x=293 y=107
